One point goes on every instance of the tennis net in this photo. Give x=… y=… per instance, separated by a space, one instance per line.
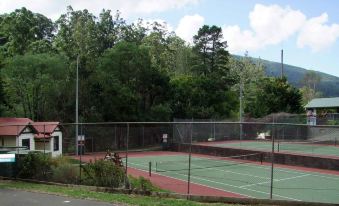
x=202 y=162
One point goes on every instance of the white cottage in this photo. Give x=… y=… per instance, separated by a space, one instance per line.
x=35 y=136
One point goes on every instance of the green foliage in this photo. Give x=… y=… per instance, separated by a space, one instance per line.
x=65 y=170
x=275 y=95
x=200 y=97
x=296 y=74
x=142 y=184
x=211 y=52
x=35 y=165
x=103 y=173
x=23 y=27
x=127 y=72
x=33 y=84
x=332 y=122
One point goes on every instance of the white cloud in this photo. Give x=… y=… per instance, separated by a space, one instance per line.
x=54 y=8
x=272 y=24
x=239 y=41
x=269 y=25
x=189 y=26
x=150 y=6
x=316 y=35
x=51 y=9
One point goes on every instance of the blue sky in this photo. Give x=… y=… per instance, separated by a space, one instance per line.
x=307 y=30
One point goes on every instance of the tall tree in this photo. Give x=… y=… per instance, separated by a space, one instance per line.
x=310 y=81
x=34 y=84
x=200 y=97
x=109 y=29
x=137 y=89
x=247 y=75
x=211 y=50
x=275 y=95
x=21 y=28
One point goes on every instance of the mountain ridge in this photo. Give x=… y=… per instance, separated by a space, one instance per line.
x=328 y=85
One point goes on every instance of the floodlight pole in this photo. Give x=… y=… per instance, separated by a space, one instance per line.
x=77 y=108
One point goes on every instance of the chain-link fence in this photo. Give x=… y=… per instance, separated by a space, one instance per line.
x=249 y=159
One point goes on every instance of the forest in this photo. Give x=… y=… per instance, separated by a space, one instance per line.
x=136 y=71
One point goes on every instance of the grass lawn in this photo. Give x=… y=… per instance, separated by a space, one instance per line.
x=84 y=193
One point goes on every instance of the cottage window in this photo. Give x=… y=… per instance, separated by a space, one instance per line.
x=56 y=143
x=26 y=143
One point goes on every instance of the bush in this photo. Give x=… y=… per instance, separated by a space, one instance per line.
x=64 y=171
x=142 y=184
x=35 y=165
x=103 y=173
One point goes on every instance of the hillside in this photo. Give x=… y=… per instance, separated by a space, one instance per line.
x=329 y=84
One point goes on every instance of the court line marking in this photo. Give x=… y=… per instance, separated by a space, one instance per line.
x=228 y=171
x=292 y=171
x=186 y=180
x=332 y=151
x=278 y=180
x=279 y=169
x=192 y=176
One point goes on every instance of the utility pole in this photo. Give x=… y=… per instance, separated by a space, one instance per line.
x=77 y=108
x=282 y=63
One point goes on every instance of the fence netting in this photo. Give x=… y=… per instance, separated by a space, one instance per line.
x=249 y=159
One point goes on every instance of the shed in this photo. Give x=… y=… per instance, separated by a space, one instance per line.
x=320 y=103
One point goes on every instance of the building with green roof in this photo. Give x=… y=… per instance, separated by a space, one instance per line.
x=320 y=104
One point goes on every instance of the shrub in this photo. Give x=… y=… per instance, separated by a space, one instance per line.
x=64 y=170
x=103 y=173
x=35 y=165
x=142 y=184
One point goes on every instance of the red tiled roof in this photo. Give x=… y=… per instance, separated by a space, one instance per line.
x=45 y=127
x=10 y=126
x=16 y=121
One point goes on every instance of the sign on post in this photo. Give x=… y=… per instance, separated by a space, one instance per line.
x=7 y=157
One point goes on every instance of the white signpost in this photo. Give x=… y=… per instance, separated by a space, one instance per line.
x=7 y=157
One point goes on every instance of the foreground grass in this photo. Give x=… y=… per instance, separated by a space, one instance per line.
x=84 y=193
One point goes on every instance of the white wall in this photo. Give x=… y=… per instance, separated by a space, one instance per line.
x=29 y=136
x=59 y=152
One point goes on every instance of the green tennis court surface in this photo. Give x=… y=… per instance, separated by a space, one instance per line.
x=248 y=179
x=294 y=147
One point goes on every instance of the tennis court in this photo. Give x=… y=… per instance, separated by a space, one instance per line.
x=300 y=147
x=249 y=179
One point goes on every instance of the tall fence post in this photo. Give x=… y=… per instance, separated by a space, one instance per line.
x=189 y=163
x=80 y=155
x=44 y=140
x=272 y=160
x=115 y=138
x=126 y=158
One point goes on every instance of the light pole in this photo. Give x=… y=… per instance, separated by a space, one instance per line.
x=241 y=98
x=77 y=108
